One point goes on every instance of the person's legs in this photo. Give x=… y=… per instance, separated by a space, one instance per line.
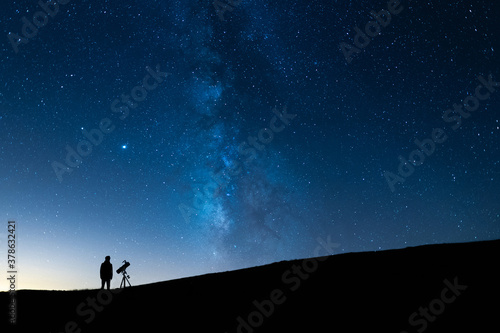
x=102 y=284
x=108 y=283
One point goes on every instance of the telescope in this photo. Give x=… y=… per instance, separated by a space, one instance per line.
x=124 y=266
x=124 y=273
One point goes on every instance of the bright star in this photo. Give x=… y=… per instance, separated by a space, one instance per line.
x=124 y=147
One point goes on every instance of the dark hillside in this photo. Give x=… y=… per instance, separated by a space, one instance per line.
x=435 y=288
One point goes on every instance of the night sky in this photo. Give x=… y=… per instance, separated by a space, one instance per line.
x=157 y=133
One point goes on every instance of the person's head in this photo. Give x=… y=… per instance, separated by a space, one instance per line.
x=108 y=258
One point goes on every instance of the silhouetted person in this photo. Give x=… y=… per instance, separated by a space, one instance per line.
x=106 y=272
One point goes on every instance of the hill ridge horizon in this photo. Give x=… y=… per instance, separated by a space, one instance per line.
x=431 y=287
x=271 y=263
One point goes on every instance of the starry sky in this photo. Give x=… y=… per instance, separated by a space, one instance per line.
x=191 y=137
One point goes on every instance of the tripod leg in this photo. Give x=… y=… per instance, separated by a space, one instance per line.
x=123 y=284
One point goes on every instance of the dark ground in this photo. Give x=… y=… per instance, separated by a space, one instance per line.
x=355 y=292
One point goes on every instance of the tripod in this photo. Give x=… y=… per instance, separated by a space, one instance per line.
x=125 y=279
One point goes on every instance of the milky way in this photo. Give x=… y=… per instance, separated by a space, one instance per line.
x=187 y=138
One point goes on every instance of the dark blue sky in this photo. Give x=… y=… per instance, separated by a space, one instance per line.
x=214 y=145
